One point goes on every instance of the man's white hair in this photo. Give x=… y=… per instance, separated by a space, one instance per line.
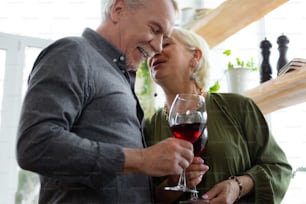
x=107 y=6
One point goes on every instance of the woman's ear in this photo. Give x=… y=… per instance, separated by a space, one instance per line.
x=193 y=62
x=197 y=55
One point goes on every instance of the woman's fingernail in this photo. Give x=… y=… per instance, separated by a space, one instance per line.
x=205 y=196
x=200 y=160
x=204 y=168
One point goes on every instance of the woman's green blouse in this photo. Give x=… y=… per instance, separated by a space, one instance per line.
x=239 y=143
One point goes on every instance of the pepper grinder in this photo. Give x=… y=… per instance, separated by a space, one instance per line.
x=282 y=42
x=265 y=67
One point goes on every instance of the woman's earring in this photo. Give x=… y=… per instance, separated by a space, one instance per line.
x=192 y=76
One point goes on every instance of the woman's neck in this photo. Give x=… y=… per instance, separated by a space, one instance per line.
x=170 y=93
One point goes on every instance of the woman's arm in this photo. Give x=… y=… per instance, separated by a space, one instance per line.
x=271 y=171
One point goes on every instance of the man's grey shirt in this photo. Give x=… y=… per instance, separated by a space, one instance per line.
x=78 y=113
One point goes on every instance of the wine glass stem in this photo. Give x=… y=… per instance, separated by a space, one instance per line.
x=183 y=182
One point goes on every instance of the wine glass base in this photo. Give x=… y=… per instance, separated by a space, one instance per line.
x=180 y=188
x=194 y=201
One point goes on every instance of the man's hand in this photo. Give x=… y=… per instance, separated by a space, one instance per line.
x=168 y=157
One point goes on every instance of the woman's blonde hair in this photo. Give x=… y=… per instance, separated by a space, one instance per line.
x=193 y=41
x=107 y=6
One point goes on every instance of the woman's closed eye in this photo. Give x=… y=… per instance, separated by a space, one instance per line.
x=166 y=44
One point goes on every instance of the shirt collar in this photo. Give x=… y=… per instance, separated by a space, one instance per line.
x=110 y=52
x=106 y=48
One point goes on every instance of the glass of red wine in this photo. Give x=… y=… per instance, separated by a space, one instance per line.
x=187 y=121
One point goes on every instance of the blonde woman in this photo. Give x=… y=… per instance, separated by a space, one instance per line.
x=246 y=165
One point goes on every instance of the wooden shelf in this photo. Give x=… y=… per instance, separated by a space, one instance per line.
x=230 y=17
x=284 y=91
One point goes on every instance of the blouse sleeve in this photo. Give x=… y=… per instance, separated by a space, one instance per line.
x=270 y=171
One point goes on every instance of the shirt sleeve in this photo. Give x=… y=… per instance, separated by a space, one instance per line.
x=58 y=89
x=270 y=171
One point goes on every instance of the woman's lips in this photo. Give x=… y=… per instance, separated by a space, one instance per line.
x=156 y=63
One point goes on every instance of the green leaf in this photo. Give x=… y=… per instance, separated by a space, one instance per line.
x=214 y=88
x=230 y=65
x=227 y=52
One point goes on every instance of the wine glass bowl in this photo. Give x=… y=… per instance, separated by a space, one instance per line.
x=187 y=131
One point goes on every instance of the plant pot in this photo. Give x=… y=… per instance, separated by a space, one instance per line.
x=241 y=79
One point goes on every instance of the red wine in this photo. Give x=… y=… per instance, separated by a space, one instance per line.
x=199 y=145
x=188 y=131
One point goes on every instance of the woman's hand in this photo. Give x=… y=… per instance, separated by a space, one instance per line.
x=195 y=172
x=228 y=191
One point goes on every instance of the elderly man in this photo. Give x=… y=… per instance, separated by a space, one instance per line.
x=81 y=123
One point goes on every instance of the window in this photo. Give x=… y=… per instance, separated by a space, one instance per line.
x=2 y=72
x=31 y=54
x=42 y=20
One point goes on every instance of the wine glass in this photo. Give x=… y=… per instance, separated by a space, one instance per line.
x=187 y=120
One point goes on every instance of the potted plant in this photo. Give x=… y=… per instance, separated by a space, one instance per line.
x=240 y=74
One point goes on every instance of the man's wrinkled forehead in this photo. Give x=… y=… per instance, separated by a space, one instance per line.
x=166 y=13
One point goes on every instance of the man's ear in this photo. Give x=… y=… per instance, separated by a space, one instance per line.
x=118 y=9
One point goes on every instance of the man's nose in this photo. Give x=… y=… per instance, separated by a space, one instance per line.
x=157 y=44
